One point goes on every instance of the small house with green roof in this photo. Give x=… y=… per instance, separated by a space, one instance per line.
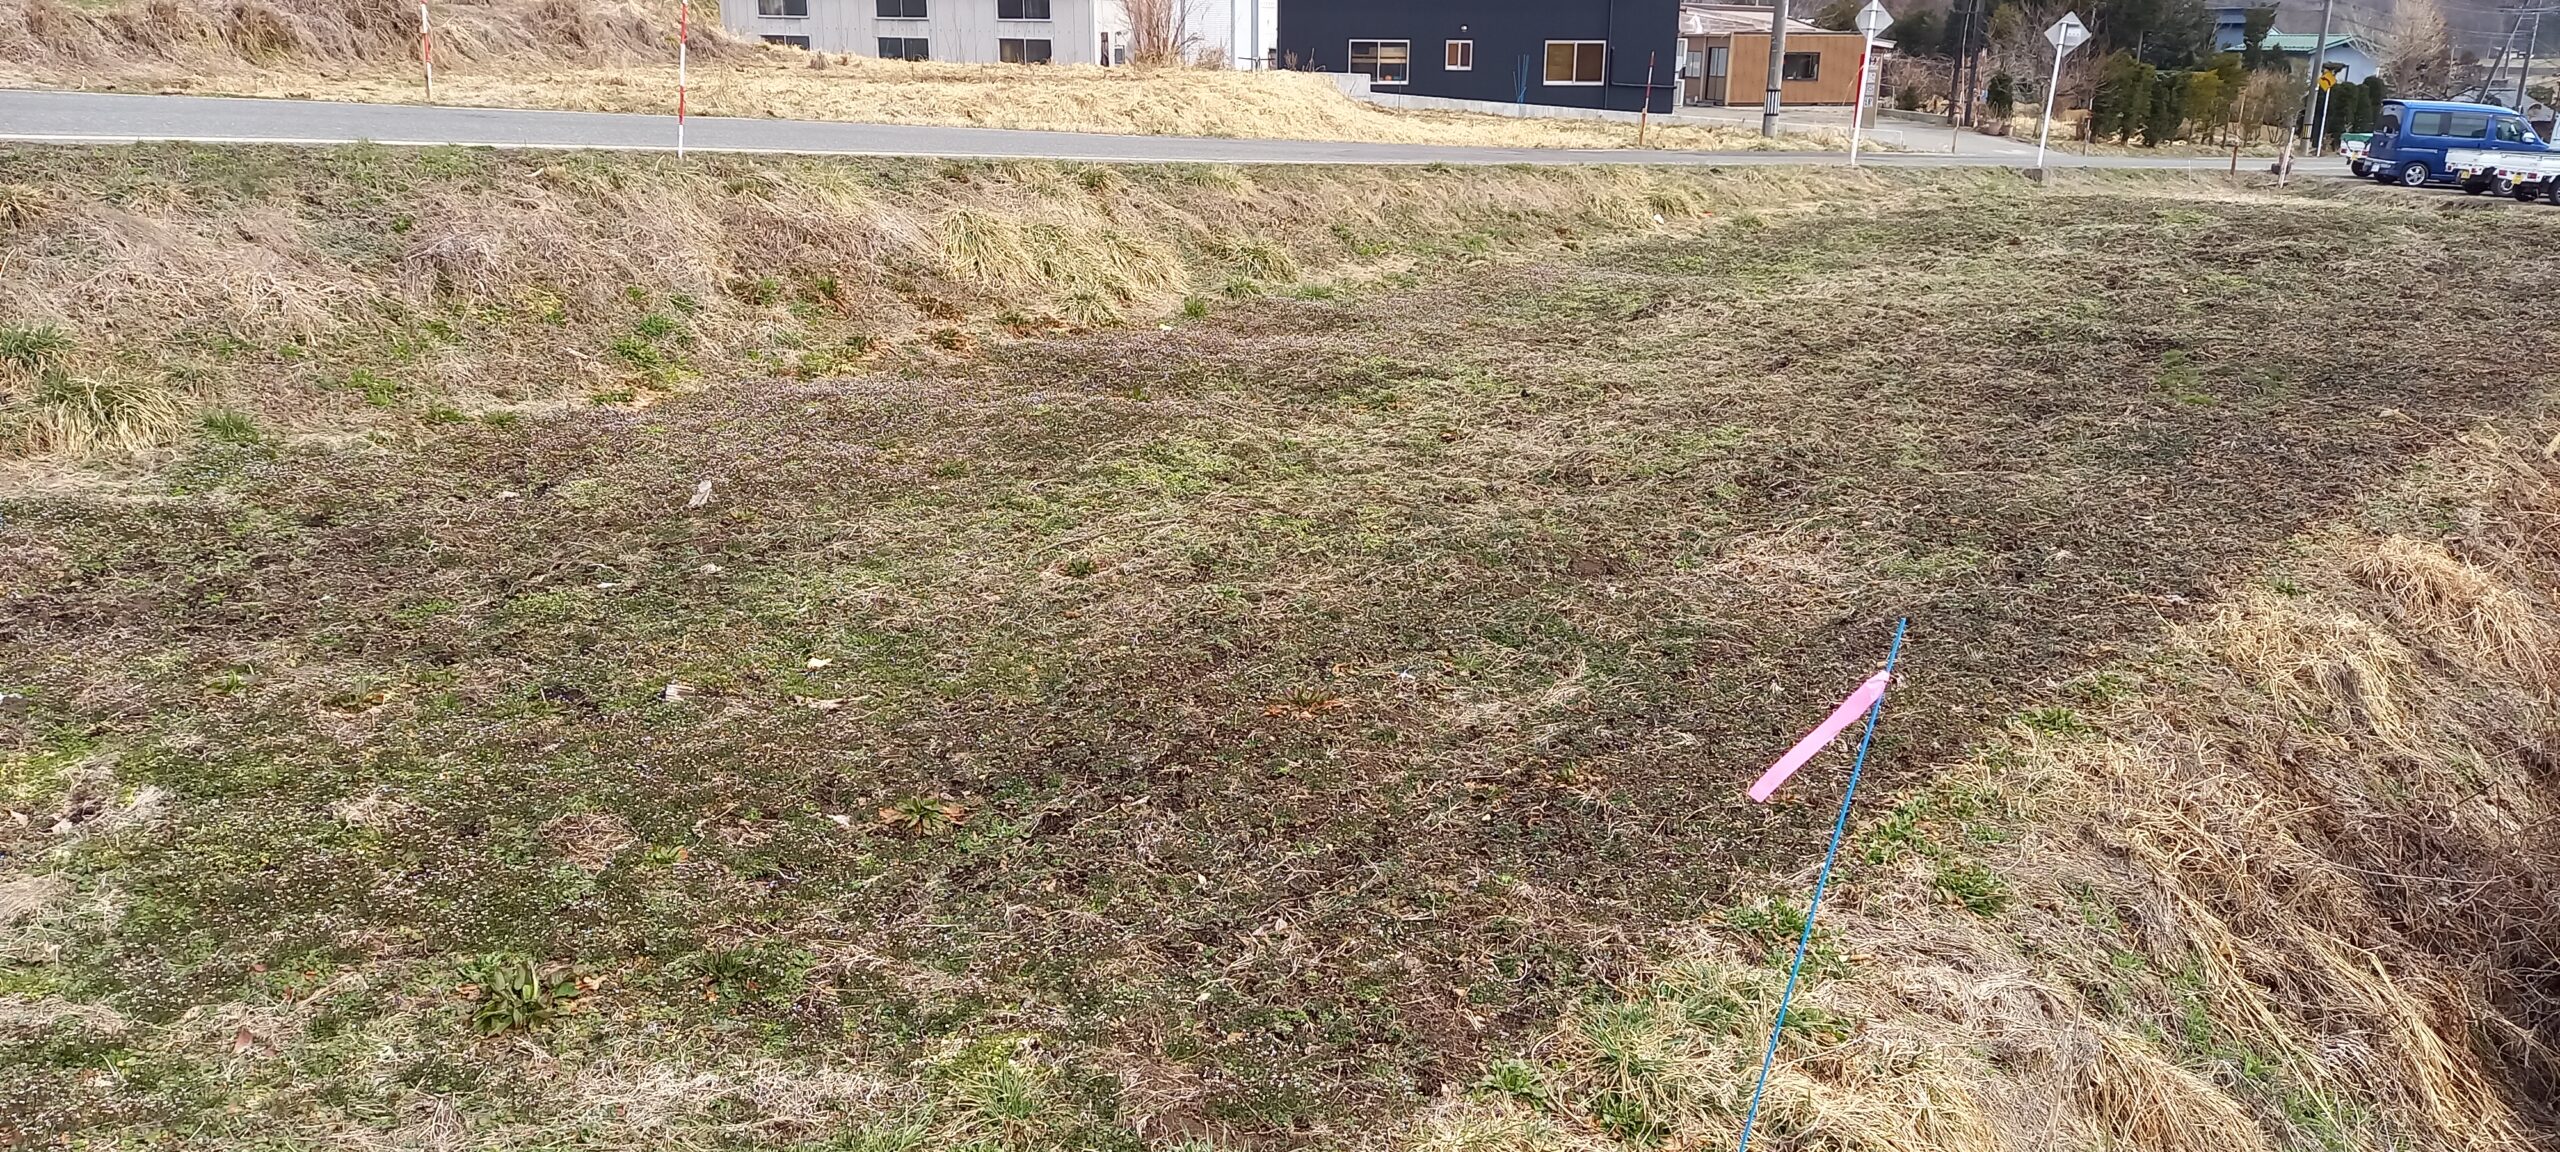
x=2352 y=56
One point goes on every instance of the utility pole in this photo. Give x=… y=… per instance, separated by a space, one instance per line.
x=2320 y=65
x=2532 y=40
x=1777 y=66
x=1969 y=62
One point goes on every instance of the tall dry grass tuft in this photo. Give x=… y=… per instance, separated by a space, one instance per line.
x=2293 y=892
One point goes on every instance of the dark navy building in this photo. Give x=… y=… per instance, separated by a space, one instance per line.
x=1580 y=53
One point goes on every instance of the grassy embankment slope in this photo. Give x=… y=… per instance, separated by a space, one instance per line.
x=882 y=718
x=618 y=56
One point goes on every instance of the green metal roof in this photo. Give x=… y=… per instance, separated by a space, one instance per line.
x=2308 y=42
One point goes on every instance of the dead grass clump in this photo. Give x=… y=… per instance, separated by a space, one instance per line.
x=66 y=415
x=263 y=33
x=2464 y=605
x=163 y=29
x=2139 y=1097
x=63 y=31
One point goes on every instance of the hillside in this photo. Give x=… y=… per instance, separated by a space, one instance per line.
x=619 y=56
x=766 y=669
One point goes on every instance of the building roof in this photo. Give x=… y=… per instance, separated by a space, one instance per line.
x=1727 y=19
x=2308 y=42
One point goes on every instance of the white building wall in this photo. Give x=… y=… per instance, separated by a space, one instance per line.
x=962 y=31
x=1213 y=26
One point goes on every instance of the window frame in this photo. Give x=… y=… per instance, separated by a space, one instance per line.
x=2454 y=121
x=1022 y=49
x=902 y=42
x=2419 y=119
x=1786 y=66
x=1458 y=48
x=1548 y=68
x=881 y=9
x=1024 y=7
x=787 y=41
x=1377 y=65
x=785 y=6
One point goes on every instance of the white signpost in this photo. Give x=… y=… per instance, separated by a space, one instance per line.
x=2066 y=34
x=1872 y=21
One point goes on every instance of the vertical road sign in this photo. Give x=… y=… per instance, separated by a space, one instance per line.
x=2066 y=34
x=1872 y=21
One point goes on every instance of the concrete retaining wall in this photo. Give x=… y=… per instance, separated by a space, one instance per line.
x=1358 y=87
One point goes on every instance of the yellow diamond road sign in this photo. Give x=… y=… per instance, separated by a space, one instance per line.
x=2328 y=80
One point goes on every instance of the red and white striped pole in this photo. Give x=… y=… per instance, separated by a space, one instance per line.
x=427 y=50
x=684 y=39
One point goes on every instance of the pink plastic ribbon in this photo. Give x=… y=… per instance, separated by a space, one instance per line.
x=1821 y=737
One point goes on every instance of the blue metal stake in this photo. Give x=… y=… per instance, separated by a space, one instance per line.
x=1821 y=880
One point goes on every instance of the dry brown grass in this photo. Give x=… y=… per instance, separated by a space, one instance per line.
x=348 y=287
x=618 y=56
x=2232 y=932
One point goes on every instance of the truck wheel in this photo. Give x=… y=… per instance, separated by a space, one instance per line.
x=2503 y=185
x=2413 y=174
x=2474 y=187
x=2358 y=167
x=2525 y=191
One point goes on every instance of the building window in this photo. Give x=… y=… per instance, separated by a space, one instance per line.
x=1014 y=51
x=788 y=41
x=1022 y=9
x=1577 y=61
x=1383 y=61
x=782 y=8
x=905 y=48
x=901 y=10
x=1801 y=66
x=1459 y=56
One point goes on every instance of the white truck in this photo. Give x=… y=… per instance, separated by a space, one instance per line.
x=2523 y=175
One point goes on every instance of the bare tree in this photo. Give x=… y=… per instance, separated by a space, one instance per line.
x=1163 y=32
x=2420 y=62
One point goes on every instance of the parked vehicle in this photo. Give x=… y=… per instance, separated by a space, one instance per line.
x=2352 y=146
x=2523 y=175
x=2410 y=146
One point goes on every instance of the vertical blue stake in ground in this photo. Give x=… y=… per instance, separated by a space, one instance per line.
x=1821 y=880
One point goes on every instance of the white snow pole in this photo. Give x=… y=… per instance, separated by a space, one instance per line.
x=427 y=50
x=684 y=38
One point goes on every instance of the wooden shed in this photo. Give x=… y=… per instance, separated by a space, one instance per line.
x=1726 y=58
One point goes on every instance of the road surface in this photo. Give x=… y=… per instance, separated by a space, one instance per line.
x=98 y=117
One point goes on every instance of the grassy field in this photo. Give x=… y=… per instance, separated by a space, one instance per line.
x=617 y=56
x=1319 y=721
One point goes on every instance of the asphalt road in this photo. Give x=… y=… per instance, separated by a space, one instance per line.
x=94 y=117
